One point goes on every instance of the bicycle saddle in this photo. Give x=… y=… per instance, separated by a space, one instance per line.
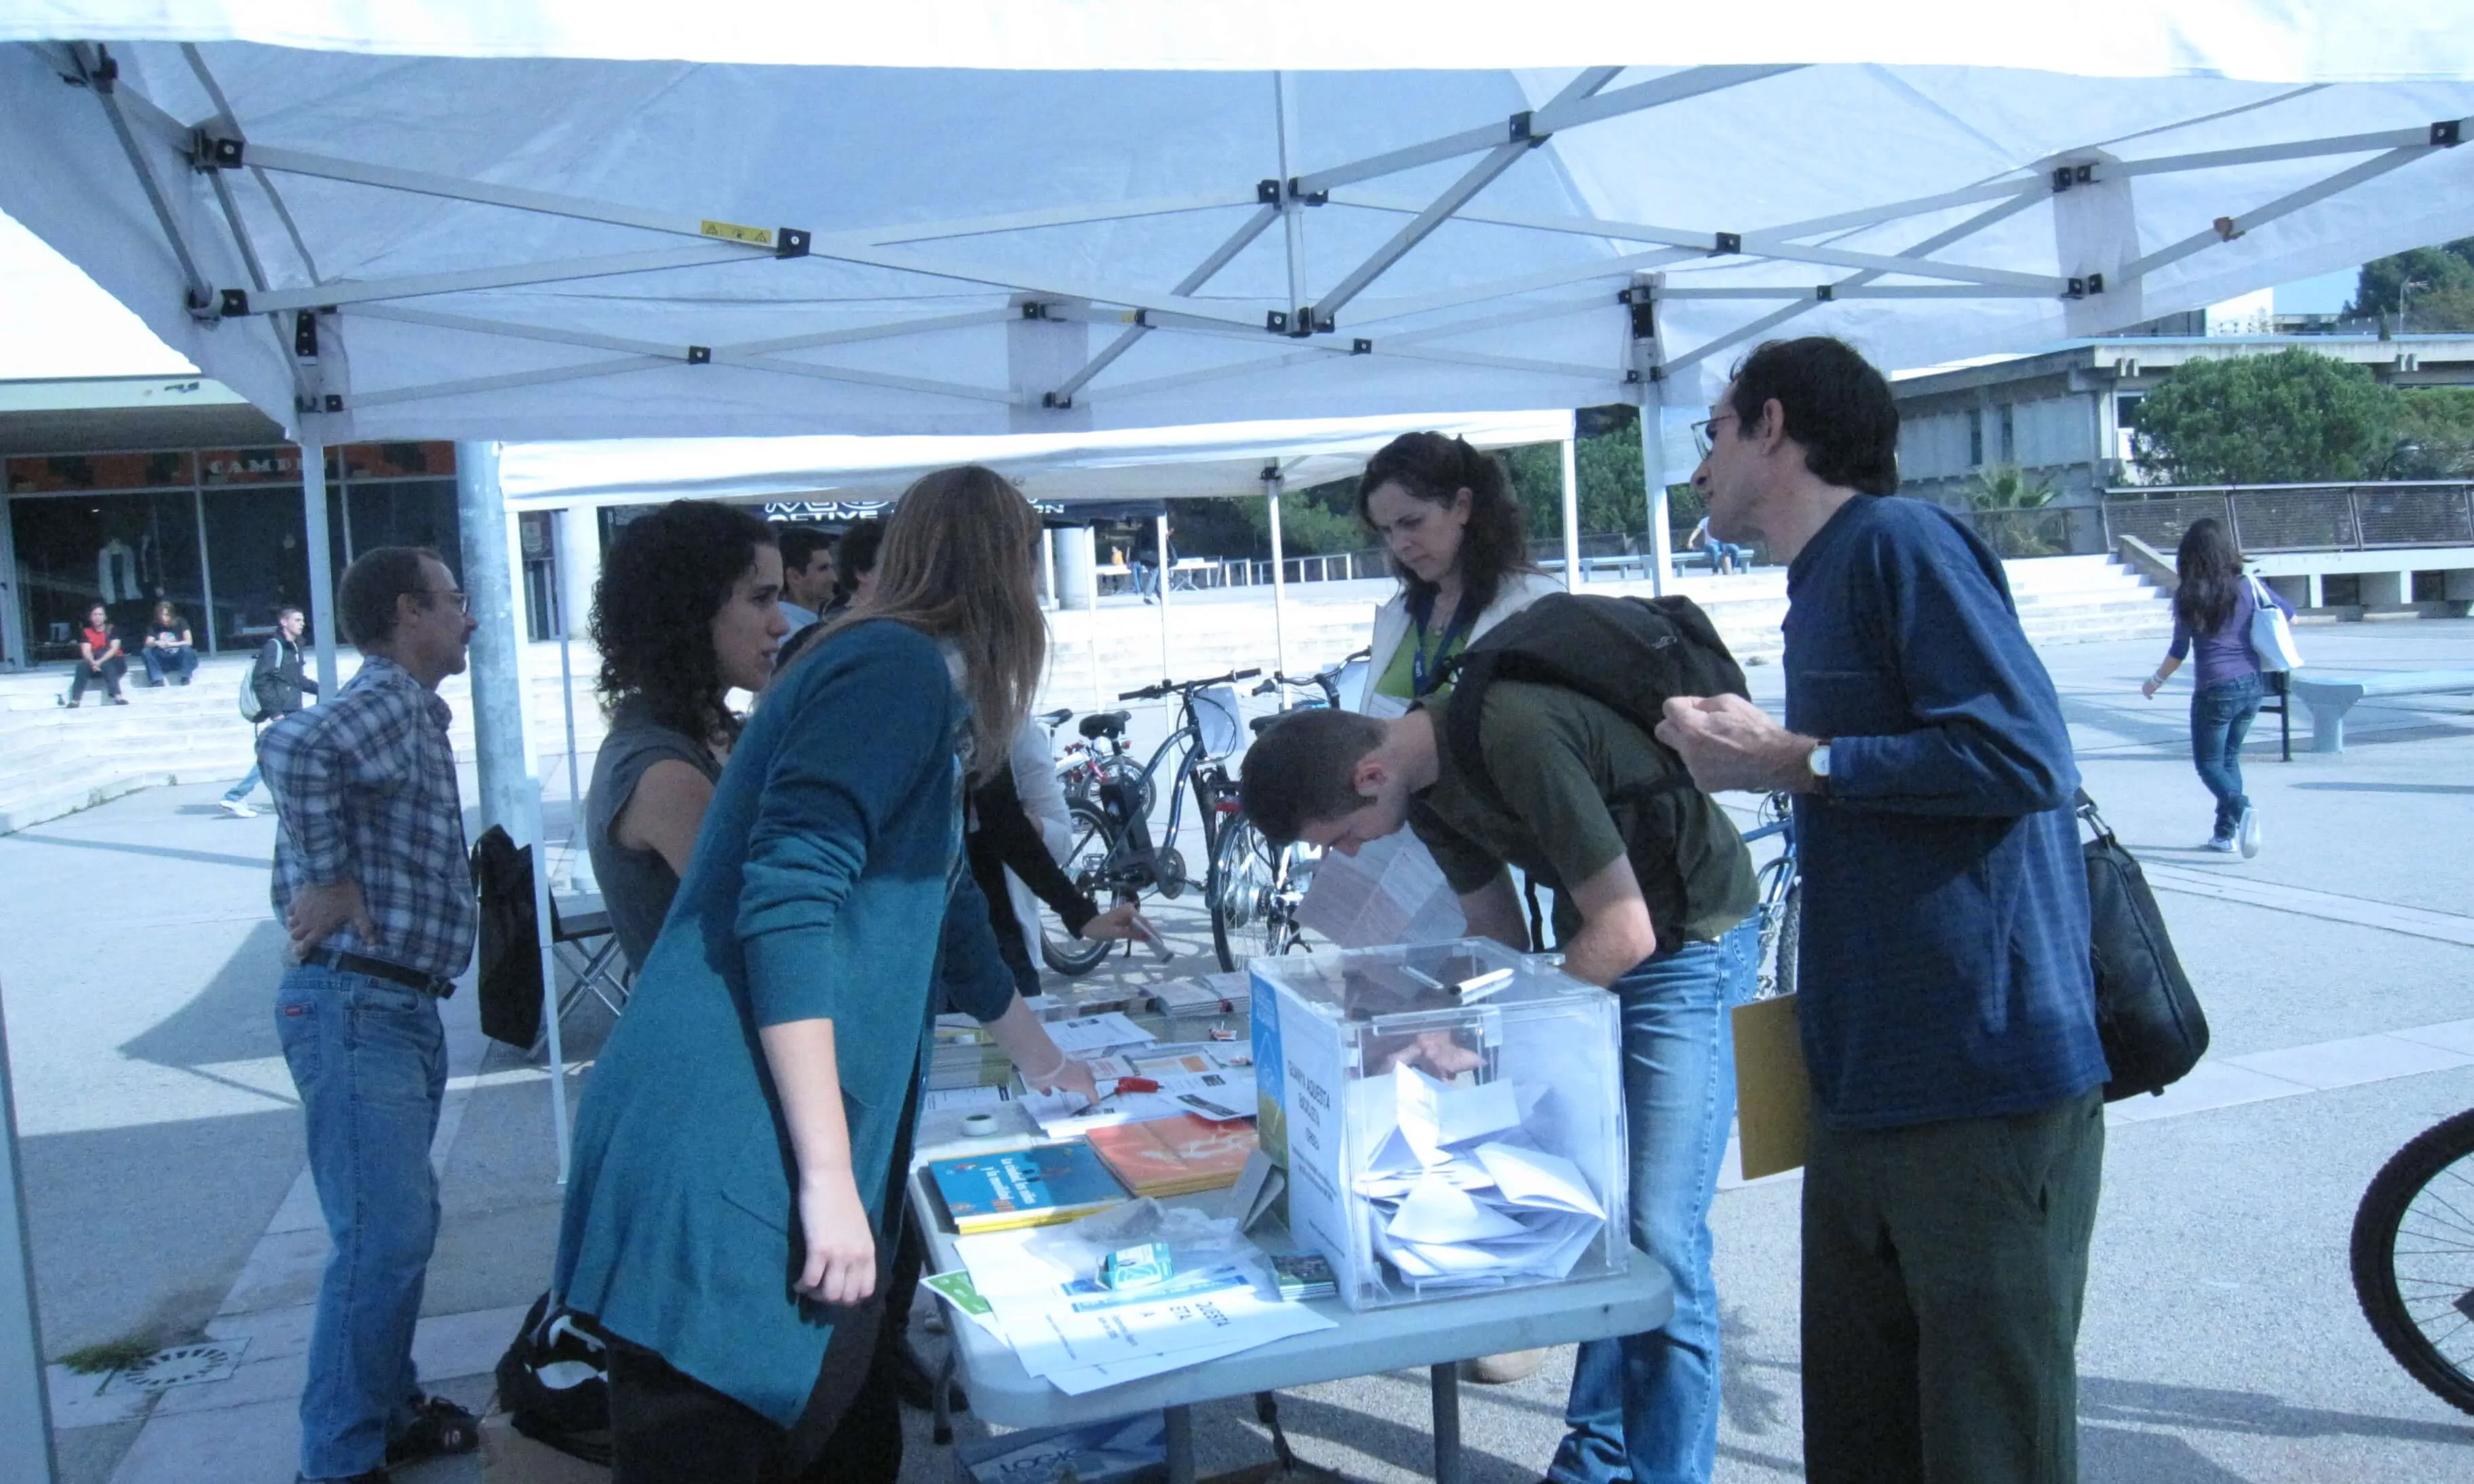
x=1105 y=723
x=1053 y=719
x=1261 y=725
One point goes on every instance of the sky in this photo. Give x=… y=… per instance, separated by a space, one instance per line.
x=56 y=322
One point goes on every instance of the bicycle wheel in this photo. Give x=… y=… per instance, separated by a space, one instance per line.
x=2414 y=1258
x=1249 y=880
x=1086 y=862
x=1781 y=928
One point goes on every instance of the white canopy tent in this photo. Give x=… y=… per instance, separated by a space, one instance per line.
x=571 y=220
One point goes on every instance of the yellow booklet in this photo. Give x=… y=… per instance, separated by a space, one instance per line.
x=1773 y=1092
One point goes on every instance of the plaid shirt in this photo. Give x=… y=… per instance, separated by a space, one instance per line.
x=365 y=787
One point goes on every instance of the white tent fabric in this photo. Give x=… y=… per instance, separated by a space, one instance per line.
x=1170 y=463
x=2259 y=40
x=540 y=248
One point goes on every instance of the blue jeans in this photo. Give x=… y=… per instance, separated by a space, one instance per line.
x=241 y=790
x=370 y=1061
x=1645 y=1408
x=178 y=661
x=2220 y=717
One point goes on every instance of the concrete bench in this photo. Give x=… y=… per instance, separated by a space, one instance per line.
x=2330 y=694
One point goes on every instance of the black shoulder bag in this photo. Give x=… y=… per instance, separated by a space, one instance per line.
x=2148 y=1020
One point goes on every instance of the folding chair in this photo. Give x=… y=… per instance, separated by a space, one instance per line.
x=587 y=949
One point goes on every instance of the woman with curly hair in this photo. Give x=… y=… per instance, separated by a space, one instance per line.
x=688 y=609
x=1445 y=513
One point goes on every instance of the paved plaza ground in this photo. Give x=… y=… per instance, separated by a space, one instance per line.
x=165 y=1171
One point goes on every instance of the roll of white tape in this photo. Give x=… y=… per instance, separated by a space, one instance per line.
x=979 y=1126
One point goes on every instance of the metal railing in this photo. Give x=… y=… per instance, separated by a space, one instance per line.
x=2300 y=517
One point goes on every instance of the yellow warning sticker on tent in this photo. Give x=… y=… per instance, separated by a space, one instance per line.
x=732 y=231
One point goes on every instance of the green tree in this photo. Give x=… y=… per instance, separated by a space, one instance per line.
x=2435 y=435
x=2007 y=487
x=2287 y=418
x=2437 y=283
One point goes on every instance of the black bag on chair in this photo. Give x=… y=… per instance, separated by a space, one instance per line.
x=509 y=955
x=2150 y=1021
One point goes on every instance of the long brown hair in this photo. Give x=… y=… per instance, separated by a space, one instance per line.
x=2211 y=568
x=957 y=566
x=1435 y=469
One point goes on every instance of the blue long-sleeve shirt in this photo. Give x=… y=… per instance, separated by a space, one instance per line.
x=1944 y=970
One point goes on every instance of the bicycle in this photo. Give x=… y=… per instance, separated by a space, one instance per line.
x=1113 y=856
x=1780 y=895
x=1092 y=757
x=2414 y=1258
x=1255 y=890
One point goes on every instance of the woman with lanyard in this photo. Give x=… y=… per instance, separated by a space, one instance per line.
x=1461 y=552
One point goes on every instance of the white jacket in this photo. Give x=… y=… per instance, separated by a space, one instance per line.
x=1518 y=590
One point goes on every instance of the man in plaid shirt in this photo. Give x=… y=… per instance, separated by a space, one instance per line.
x=370 y=882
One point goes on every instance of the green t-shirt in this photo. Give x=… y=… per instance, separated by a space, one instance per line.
x=1400 y=676
x=1558 y=758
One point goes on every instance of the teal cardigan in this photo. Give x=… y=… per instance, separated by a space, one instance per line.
x=818 y=889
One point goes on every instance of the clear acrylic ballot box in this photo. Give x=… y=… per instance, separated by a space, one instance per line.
x=1450 y=1117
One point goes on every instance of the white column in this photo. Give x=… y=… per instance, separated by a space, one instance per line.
x=1159 y=529
x=1653 y=478
x=1571 y=516
x=321 y=565
x=1047 y=567
x=1272 y=484
x=1077 y=580
x=579 y=565
x=25 y=1410
x=14 y=651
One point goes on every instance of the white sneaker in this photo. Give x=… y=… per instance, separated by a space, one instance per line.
x=2247 y=832
x=2222 y=845
x=238 y=810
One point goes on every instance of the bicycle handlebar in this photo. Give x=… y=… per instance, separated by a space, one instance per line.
x=1153 y=692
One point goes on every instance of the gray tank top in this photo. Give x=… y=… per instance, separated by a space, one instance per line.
x=637 y=886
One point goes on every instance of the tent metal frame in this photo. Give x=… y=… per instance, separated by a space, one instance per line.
x=1301 y=329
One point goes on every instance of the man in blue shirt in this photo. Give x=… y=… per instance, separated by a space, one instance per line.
x=1947 y=1012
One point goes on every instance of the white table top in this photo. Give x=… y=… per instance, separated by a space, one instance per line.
x=1361 y=1344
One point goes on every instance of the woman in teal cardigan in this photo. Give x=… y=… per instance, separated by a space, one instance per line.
x=741 y=1146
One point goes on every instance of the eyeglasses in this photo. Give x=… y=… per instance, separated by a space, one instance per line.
x=462 y=600
x=1701 y=437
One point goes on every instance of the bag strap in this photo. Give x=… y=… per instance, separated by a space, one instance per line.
x=2085 y=808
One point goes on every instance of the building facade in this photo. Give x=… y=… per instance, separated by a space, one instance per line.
x=2066 y=417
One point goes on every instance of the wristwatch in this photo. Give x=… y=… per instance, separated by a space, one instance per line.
x=1819 y=763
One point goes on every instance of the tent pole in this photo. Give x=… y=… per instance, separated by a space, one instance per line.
x=510 y=793
x=1160 y=530
x=1571 y=515
x=25 y=1409
x=322 y=563
x=1653 y=478
x=1272 y=485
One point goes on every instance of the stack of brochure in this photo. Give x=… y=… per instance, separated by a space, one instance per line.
x=1465 y=1193
x=1212 y=1080
x=1082 y=1338
x=1207 y=995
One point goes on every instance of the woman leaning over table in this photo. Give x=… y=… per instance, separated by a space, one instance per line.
x=1445 y=513
x=740 y=1149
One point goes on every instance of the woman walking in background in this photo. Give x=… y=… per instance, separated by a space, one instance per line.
x=2211 y=611
x=740 y=1149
